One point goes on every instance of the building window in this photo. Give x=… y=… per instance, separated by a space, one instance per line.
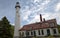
x=39 y=32
x=34 y=33
x=48 y=32
x=54 y=31
x=31 y=33
x=27 y=33
x=22 y=33
x=42 y=32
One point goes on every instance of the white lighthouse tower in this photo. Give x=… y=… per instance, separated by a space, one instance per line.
x=17 y=21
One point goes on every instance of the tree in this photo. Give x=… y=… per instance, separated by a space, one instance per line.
x=5 y=28
x=12 y=30
x=59 y=28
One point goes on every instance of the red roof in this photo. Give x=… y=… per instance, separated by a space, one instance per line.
x=39 y=25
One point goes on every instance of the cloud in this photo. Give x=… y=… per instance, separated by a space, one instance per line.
x=25 y=13
x=57 y=8
x=35 y=19
x=46 y=2
x=56 y=16
x=47 y=16
x=34 y=10
x=38 y=7
x=36 y=1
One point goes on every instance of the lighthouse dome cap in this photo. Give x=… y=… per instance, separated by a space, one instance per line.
x=17 y=2
x=17 y=5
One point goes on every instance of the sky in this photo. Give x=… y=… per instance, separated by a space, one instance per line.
x=30 y=10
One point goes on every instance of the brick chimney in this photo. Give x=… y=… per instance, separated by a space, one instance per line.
x=40 y=17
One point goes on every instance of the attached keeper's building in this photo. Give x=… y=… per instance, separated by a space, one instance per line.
x=42 y=28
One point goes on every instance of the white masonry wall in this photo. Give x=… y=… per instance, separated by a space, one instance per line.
x=44 y=30
x=17 y=23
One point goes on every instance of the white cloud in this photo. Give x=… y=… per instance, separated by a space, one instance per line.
x=35 y=9
x=57 y=8
x=36 y=1
x=25 y=18
x=41 y=7
x=25 y=13
x=46 y=2
x=13 y=24
x=47 y=16
x=36 y=19
x=52 y=16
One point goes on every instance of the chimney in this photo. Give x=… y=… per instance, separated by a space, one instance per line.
x=40 y=17
x=43 y=19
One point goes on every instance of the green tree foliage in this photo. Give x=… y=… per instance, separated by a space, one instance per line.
x=5 y=28
x=59 y=28
x=12 y=30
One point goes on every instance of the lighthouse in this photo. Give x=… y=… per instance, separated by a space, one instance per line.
x=17 y=21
